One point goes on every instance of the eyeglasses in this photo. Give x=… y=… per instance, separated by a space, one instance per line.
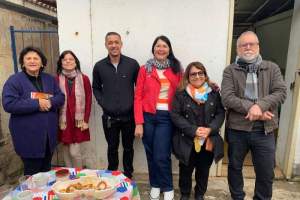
x=195 y=74
x=250 y=44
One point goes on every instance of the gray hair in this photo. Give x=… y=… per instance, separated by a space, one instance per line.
x=246 y=33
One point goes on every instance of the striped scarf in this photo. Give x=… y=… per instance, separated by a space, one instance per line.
x=79 y=98
x=251 y=89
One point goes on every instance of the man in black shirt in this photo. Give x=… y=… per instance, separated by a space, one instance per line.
x=114 y=78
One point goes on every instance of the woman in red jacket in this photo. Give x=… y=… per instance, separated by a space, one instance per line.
x=156 y=85
x=75 y=113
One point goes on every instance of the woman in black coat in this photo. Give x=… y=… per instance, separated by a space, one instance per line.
x=198 y=114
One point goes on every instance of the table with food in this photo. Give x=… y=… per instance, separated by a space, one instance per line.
x=75 y=184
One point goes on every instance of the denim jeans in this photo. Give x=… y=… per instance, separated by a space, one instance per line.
x=157 y=140
x=262 y=148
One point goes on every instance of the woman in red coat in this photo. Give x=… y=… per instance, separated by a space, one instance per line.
x=75 y=113
x=156 y=85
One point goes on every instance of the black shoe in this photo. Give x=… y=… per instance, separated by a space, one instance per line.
x=184 y=197
x=199 y=197
x=128 y=175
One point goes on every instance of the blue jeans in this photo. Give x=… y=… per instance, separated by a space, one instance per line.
x=262 y=149
x=157 y=140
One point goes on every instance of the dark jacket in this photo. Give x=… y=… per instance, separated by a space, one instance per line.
x=114 y=89
x=271 y=93
x=183 y=114
x=29 y=126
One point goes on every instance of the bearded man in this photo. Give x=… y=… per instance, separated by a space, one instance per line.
x=251 y=90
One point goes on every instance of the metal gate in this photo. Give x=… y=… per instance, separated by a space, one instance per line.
x=46 y=40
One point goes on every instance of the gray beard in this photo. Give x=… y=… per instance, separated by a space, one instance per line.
x=250 y=61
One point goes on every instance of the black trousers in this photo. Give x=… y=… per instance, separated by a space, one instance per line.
x=262 y=148
x=112 y=128
x=35 y=165
x=202 y=162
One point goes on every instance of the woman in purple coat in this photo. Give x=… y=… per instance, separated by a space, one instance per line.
x=33 y=97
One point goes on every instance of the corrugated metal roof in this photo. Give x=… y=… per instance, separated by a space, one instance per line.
x=47 y=4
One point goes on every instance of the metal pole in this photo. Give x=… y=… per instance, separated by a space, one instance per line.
x=13 y=48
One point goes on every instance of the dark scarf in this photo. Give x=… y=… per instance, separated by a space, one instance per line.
x=36 y=81
x=251 y=89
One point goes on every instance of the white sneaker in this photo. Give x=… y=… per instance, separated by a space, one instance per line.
x=154 y=193
x=169 y=195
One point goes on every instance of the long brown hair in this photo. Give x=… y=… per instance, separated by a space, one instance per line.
x=185 y=79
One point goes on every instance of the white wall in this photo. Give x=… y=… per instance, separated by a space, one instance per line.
x=294 y=62
x=74 y=29
x=198 y=30
x=288 y=144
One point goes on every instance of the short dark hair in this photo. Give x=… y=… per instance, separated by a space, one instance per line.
x=174 y=62
x=61 y=57
x=112 y=33
x=32 y=49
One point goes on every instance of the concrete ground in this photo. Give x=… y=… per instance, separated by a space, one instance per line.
x=218 y=188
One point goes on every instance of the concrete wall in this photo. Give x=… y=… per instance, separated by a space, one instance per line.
x=288 y=150
x=10 y=164
x=294 y=62
x=193 y=27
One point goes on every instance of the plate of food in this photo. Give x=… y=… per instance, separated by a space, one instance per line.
x=89 y=186
x=105 y=187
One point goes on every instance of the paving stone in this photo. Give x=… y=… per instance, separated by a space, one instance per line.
x=218 y=188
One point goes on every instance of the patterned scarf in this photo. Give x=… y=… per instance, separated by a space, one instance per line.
x=199 y=95
x=251 y=89
x=79 y=96
x=153 y=62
